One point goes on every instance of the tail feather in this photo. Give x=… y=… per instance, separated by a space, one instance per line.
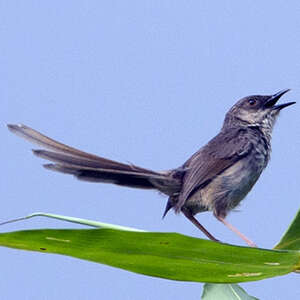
x=134 y=180
x=38 y=138
x=90 y=167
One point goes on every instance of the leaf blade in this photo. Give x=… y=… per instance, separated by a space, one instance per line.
x=224 y=292
x=80 y=221
x=291 y=238
x=166 y=255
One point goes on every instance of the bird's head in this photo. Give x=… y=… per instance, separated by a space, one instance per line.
x=260 y=111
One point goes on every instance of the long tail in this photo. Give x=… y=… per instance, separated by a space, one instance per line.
x=90 y=167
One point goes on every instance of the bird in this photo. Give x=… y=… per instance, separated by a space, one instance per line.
x=216 y=178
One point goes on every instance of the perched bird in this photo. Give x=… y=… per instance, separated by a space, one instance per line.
x=216 y=178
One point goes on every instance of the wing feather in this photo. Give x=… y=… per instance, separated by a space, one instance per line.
x=211 y=160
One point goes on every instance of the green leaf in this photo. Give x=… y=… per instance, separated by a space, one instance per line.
x=80 y=221
x=291 y=238
x=224 y=292
x=166 y=255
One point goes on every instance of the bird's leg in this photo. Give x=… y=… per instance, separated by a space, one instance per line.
x=198 y=225
x=236 y=231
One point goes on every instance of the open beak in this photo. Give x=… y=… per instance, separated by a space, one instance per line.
x=270 y=103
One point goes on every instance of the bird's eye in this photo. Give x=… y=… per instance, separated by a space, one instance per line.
x=252 y=102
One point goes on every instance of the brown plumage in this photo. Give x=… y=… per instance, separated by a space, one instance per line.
x=215 y=178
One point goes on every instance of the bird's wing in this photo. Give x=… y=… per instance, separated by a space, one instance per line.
x=211 y=160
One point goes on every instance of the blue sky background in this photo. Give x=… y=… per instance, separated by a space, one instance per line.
x=147 y=82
